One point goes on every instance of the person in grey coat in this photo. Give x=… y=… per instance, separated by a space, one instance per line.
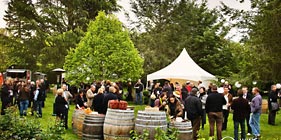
x=256 y=104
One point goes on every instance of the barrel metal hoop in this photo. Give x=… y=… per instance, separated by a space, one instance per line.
x=115 y=124
x=122 y=136
x=161 y=126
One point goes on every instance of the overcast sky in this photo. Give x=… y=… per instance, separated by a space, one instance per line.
x=126 y=7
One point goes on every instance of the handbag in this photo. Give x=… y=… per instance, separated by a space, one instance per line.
x=152 y=96
x=274 y=106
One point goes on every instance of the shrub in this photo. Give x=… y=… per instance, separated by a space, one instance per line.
x=54 y=132
x=170 y=134
x=145 y=93
x=13 y=127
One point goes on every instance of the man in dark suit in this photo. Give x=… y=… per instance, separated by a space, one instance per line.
x=109 y=96
x=247 y=95
x=240 y=107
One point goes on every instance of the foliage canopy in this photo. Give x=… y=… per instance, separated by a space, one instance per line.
x=106 y=52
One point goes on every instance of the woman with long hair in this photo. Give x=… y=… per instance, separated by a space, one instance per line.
x=23 y=99
x=174 y=107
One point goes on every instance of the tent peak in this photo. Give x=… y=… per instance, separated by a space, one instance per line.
x=183 y=67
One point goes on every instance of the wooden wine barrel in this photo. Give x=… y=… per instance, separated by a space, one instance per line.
x=264 y=106
x=80 y=120
x=184 y=129
x=78 y=113
x=118 y=124
x=149 y=121
x=93 y=127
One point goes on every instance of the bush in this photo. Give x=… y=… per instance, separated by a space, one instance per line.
x=13 y=127
x=54 y=132
x=136 y=136
x=146 y=97
x=145 y=93
x=170 y=134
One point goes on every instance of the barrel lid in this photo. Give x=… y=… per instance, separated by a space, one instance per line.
x=95 y=114
x=119 y=110
x=152 y=113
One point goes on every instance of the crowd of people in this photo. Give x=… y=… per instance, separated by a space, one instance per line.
x=24 y=94
x=196 y=102
x=94 y=96
x=187 y=101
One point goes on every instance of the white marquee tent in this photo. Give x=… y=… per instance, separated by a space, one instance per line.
x=181 y=70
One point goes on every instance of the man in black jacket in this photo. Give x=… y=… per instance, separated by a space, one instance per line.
x=193 y=107
x=272 y=98
x=139 y=89
x=248 y=96
x=6 y=92
x=240 y=107
x=214 y=104
x=109 y=96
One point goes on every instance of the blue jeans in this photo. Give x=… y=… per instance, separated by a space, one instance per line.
x=23 y=107
x=152 y=103
x=39 y=108
x=255 y=123
x=236 y=128
x=139 y=98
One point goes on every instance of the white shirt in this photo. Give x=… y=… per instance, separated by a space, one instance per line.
x=36 y=94
x=226 y=98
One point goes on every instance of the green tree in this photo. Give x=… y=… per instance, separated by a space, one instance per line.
x=63 y=23
x=21 y=23
x=265 y=33
x=43 y=31
x=4 y=51
x=261 y=28
x=106 y=52
x=173 y=25
x=56 y=48
x=18 y=15
x=61 y=15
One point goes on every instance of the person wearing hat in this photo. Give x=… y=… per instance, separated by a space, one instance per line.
x=177 y=94
x=174 y=107
x=193 y=107
x=188 y=86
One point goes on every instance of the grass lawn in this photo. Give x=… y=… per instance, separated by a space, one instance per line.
x=267 y=132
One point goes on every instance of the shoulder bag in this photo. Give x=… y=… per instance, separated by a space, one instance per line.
x=274 y=106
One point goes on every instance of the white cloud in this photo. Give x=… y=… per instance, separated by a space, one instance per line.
x=127 y=9
x=3 y=7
